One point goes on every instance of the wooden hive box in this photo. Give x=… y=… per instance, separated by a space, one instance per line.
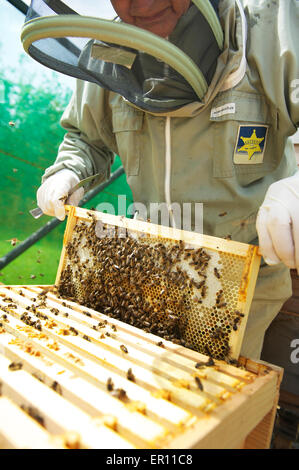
x=73 y=377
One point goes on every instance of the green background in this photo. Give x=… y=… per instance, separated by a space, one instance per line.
x=31 y=103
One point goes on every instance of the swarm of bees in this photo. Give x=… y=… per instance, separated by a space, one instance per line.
x=26 y=318
x=142 y=281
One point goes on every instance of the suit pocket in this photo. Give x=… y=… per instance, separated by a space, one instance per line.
x=243 y=131
x=127 y=125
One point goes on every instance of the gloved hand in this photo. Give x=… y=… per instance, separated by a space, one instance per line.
x=52 y=193
x=278 y=223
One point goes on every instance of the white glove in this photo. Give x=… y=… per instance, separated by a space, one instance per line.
x=52 y=193
x=278 y=223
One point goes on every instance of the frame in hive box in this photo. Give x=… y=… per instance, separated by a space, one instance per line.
x=183 y=286
x=90 y=380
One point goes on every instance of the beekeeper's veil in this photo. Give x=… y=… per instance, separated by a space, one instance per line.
x=154 y=74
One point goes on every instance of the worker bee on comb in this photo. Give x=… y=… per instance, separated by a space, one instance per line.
x=217 y=274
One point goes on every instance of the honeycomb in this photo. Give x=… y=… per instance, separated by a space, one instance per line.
x=183 y=293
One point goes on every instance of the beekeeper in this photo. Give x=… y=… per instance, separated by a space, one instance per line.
x=229 y=149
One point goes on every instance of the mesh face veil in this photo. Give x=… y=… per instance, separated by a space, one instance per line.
x=152 y=73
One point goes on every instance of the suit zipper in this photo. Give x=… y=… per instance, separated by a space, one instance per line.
x=167 y=181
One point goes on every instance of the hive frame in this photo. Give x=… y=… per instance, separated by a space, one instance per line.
x=249 y=253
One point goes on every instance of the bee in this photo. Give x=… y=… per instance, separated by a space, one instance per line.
x=12 y=306
x=199 y=285
x=210 y=362
x=130 y=375
x=217 y=333
x=176 y=340
x=63 y=332
x=219 y=300
x=73 y=331
x=243 y=223
x=124 y=349
x=15 y=366
x=217 y=274
x=93 y=216
x=120 y=393
x=13 y=241
x=198 y=383
x=235 y=323
x=226 y=352
x=234 y=362
x=34 y=414
x=56 y=387
x=239 y=313
x=54 y=310
x=109 y=385
x=199 y=365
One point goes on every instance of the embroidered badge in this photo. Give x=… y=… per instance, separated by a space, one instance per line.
x=251 y=144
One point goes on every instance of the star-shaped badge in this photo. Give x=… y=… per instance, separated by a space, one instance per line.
x=251 y=144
